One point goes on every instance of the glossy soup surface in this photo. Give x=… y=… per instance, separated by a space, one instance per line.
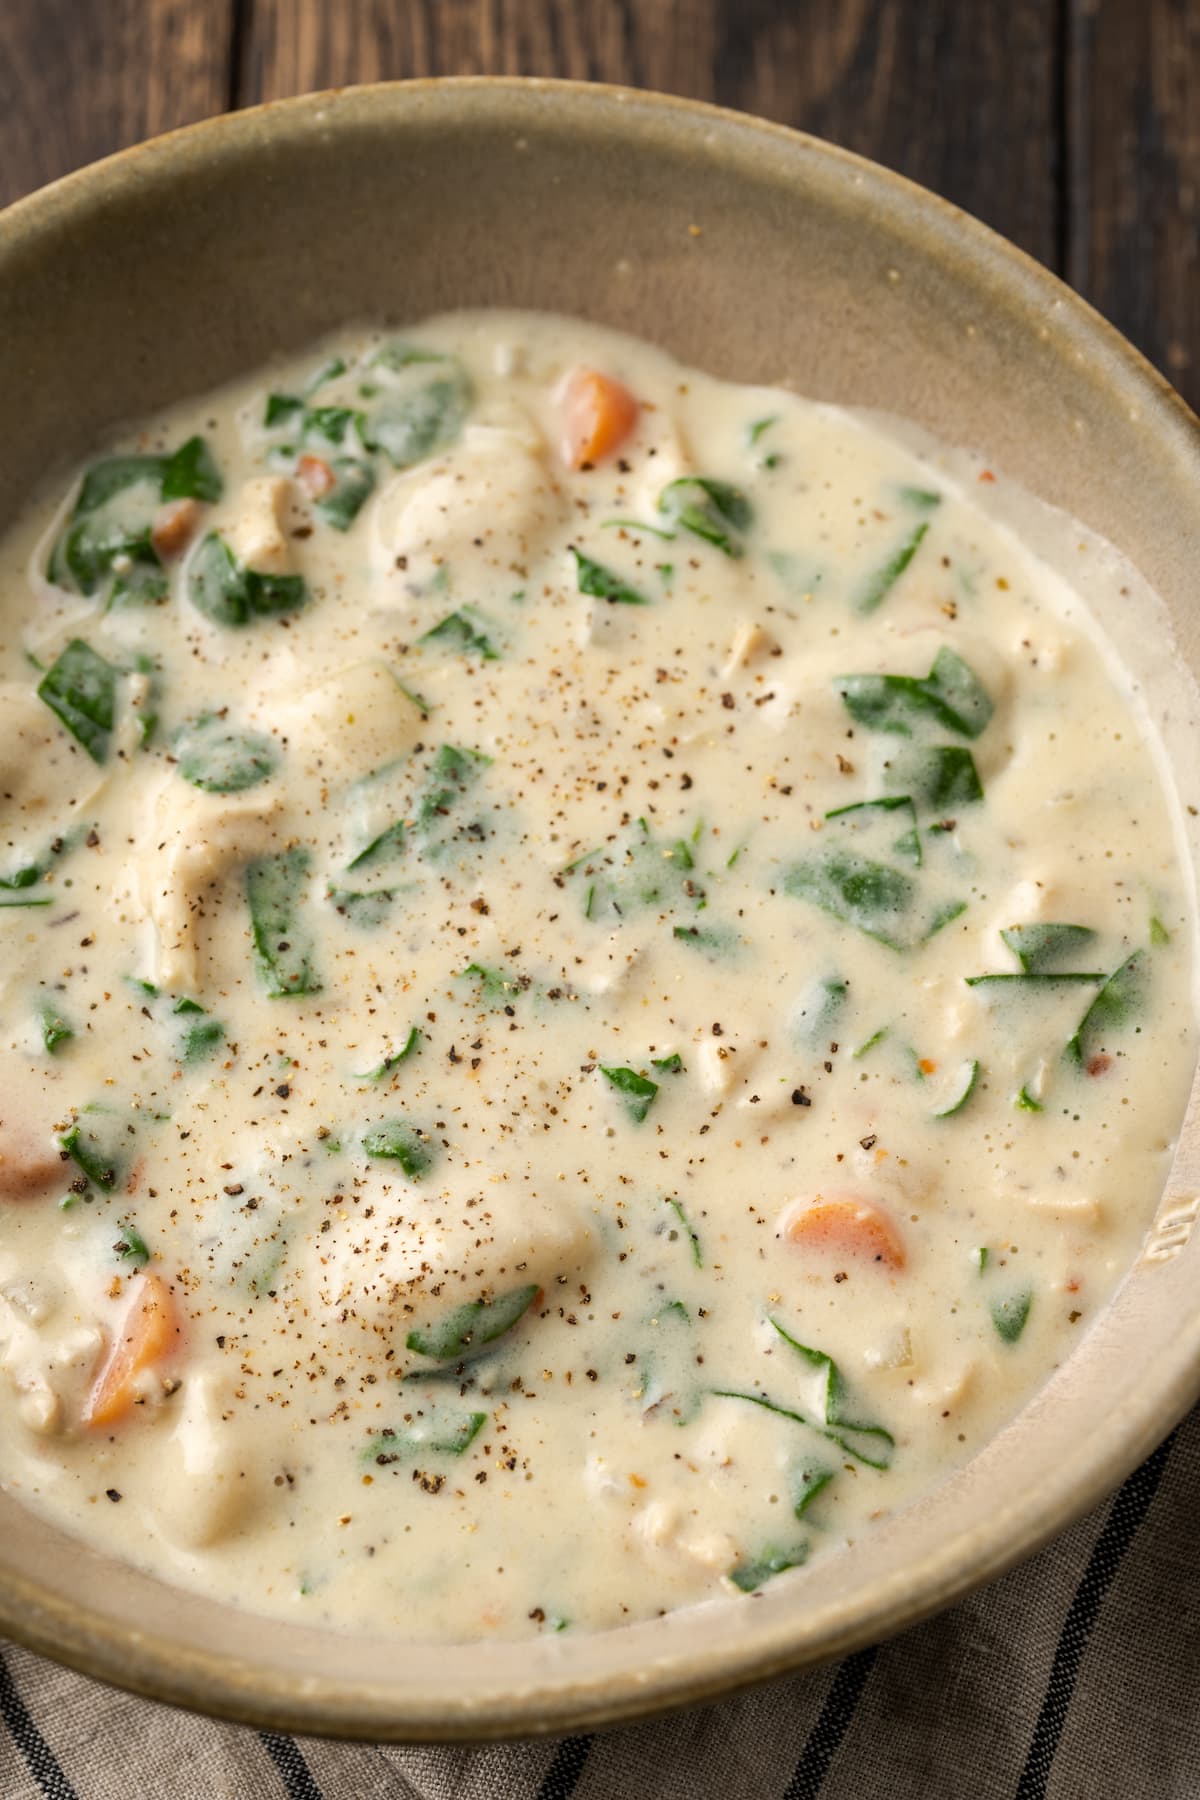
x=594 y=983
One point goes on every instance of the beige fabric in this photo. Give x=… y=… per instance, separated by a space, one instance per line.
x=1077 y=1677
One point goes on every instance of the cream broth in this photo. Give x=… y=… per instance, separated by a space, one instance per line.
x=595 y=983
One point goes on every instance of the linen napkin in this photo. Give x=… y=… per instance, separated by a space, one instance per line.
x=1075 y=1677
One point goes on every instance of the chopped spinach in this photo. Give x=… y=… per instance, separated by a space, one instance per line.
x=98 y=1143
x=106 y=545
x=951 y=695
x=390 y=1064
x=228 y=593
x=712 y=510
x=759 y=1569
x=472 y=1327
x=220 y=759
x=466 y=631
x=56 y=1028
x=676 y=1207
x=436 y=1432
x=1043 y=949
x=940 y=776
x=1120 y=1002
x=353 y=485
x=1010 y=1315
x=637 y=1091
x=283 y=942
x=418 y=408
x=398 y=1140
x=604 y=584
x=880 y=582
x=131 y=1249
x=81 y=690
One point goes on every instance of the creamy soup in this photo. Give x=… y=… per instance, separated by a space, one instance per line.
x=595 y=983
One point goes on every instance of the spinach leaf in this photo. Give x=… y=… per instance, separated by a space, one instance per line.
x=419 y=410
x=390 y=1064
x=191 y=473
x=878 y=819
x=604 y=584
x=497 y=987
x=81 y=690
x=809 y=1478
x=228 y=593
x=645 y=873
x=751 y=1575
x=473 y=1326
x=717 y=942
x=875 y=899
x=1043 y=949
x=670 y=1065
x=940 y=776
x=107 y=542
x=353 y=485
x=451 y=776
x=951 y=694
x=283 y=943
x=382 y=849
x=844 y=1431
x=880 y=582
x=1010 y=1315
x=1120 y=1001
x=637 y=1091
x=131 y=1249
x=365 y=911
x=815 y=1014
x=676 y=1207
x=99 y=1142
x=466 y=631
x=56 y=1029
x=220 y=759
x=434 y=1433
x=281 y=408
x=398 y=1140
x=712 y=510
x=198 y=1037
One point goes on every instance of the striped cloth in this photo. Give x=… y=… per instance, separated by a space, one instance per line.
x=1077 y=1677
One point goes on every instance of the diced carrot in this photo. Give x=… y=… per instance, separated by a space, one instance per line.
x=315 y=476
x=598 y=415
x=173 y=527
x=28 y=1168
x=847 y=1225
x=148 y=1334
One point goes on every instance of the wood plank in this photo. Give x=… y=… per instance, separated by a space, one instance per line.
x=1133 y=143
x=919 y=84
x=79 y=80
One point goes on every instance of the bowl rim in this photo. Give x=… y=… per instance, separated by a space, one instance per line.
x=154 y=1666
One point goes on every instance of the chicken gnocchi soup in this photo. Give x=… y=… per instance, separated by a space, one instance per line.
x=594 y=983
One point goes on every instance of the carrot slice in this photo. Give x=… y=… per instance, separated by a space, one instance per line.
x=174 y=526
x=315 y=476
x=848 y=1225
x=148 y=1334
x=598 y=415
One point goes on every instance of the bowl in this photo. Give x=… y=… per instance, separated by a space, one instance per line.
x=758 y=254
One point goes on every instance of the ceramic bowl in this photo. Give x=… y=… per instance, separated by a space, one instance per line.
x=758 y=254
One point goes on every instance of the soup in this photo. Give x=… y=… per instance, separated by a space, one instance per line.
x=596 y=983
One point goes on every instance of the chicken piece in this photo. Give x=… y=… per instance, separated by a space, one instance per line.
x=356 y=722
x=208 y=1488
x=489 y=504
x=193 y=841
x=260 y=532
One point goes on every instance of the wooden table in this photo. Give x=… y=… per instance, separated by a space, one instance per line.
x=1073 y=126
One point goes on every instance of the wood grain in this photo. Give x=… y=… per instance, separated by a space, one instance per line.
x=1133 y=143
x=914 y=83
x=79 y=78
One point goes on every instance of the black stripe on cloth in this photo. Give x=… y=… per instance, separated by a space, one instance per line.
x=40 y=1760
x=565 y=1769
x=829 y=1730
x=288 y=1758
x=1128 y=1510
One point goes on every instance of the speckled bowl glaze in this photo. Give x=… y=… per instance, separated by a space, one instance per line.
x=761 y=255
